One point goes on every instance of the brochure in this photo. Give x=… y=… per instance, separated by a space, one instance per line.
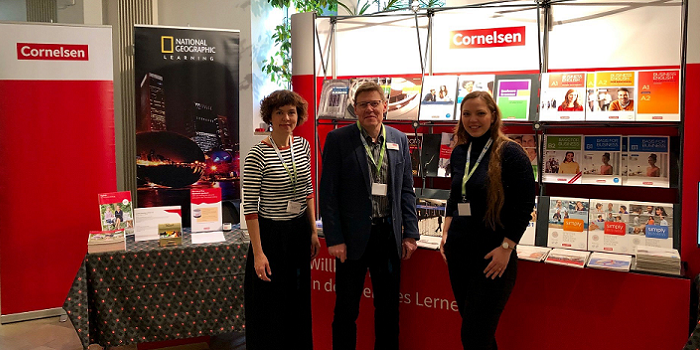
x=572 y=258
x=404 y=99
x=431 y=216
x=334 y=98
x=116 y=211
x=148 y=219
x=568 y=223
x=430 y=154
x=532 y=253
x=615 y=93
x=562 y=155
x=563 y=97
x=614 y=262
x=106 y=241
x=415 y=143
x=647 y=161
x=659 y=95
x=470 y=83
x=447 y=143
x=206 y=209
x=602 y=160
x=517 y=96
x=651 y=224
x=607 y=228
x=438 y=98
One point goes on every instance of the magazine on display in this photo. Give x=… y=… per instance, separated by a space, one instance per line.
x=532 y=253
x=447 y=143
x=658 y=260
x=563 y=97
x=613 y=262
x=658 y=95
x=205 y=209
x=438 y=98
x=530 y=144
x=431 y=219
x=650 y=224
x=517 y=96
x=106 y=241
x=528 y=237
x=334 y=99
x=415 y=143
x=615 y=93
x=116 y=211
x=566 y=257
x=647 y=161
x=404 y=99
x=602 y=160
x=148 y=219
x=562 y=155
x=430 y=154
x=607 y=228
x=568 y=223
x=470 y=83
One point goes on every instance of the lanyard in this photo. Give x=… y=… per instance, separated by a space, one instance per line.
x=369 y=151
x=468 y=174
x=292 y=175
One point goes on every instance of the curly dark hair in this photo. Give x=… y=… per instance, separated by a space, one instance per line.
x=281 y=98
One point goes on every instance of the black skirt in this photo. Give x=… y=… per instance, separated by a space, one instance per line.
x=278 y=313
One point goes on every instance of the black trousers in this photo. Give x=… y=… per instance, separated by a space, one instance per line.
x=383 y=262
x=480 y=300
x=278 y=313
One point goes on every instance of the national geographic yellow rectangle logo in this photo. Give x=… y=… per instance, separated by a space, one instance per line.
x=167 y=44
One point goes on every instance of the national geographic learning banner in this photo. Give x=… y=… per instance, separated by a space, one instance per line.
x=186 y=114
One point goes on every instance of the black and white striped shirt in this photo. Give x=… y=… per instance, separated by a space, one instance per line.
x=266 y=184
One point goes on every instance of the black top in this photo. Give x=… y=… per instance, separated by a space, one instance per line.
x=518 y=185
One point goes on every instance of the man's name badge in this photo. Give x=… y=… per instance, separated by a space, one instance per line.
x=379 y=189
x=464 y=209
x=391 y=145
x=293 y=207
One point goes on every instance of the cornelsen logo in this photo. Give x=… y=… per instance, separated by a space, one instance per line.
x=52 y=52
x=484 y=38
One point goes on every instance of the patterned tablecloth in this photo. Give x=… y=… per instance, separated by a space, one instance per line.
x=148 y=293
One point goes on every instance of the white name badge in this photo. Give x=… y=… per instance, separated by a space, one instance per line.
x=464 y=209
x=293 y=207
x=379 y=189
x=391 y=145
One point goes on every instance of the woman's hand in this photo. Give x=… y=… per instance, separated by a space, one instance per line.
x=262 y=267
x=499 y=261
x=315 y=245
x=442 y=247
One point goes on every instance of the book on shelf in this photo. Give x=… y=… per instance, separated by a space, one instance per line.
x=646 y=161
x=568 y=223
x=651 y=224
x=116 y=211
x=567 y=257
x=607 y=261
x=517 y=96
x=528 y=237
x=430 y=154
x=529 y=142
x=469 y=83
x=415 y=144
x=563 y=97
x=658 y=95
x=657 y=260
x=562 y=158
x=607 y=227
x=615 y=93
x=602 y=160
x=404 y=98
x=106 y=241
x=431 y=219
x=438 y=98
x=447 y=144
x=334 y=98
x=532 y=253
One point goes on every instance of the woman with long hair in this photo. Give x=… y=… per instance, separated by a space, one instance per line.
x=570 y=103
x=490 y=205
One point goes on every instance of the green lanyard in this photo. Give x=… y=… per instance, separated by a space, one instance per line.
x=369 y=151
x=468 y=174
x=292 y=175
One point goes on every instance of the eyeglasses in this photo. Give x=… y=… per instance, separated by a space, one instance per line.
x=374 y=104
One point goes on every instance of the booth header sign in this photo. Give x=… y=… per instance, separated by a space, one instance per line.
x=52 y=52
x=486 y=38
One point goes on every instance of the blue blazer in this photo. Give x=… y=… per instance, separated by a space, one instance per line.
x=345 y=195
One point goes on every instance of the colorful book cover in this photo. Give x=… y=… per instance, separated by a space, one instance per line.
x=205 y=209
x=568 y=223
x=651 y=224
x=469 y=83
x=647 y=161
x=116 y=211
x=602 y=160
x=607 y=228
x=530 y=144
x=438 y=98
x=562 y=155
x=415 y=143
x=431 y=216
x=659 y=95
x=447 y=143
x=404 y=99
x=615 y=94
x=430 y=154
x=517 y=96
x=334 y=99
x=563 y=97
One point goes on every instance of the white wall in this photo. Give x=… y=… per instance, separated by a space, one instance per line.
x=71 y=11
x=13 y=10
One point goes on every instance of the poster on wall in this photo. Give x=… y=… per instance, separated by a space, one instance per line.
x=563 y=97
x=615 y=94
x=186 y=114
x=658 y=95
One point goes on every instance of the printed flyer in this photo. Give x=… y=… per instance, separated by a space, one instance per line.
x=615 y=93
x=659 y=96
x=647 y=161
x=562 y=155
x=149 y=219
x=568 y=223
x=563 y=97
x=334 y=99
x=514 y=99
x=607 y=228
x=405 y=98
x=602 y=160
x=206 y=209
x=470 y=83
x=116 y=211
x=651 y=224
x=438 y=98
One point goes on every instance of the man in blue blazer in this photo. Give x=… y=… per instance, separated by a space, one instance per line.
x=368 y=209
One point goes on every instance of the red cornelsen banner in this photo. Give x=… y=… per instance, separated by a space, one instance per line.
x=485 y=38
x=57 y=153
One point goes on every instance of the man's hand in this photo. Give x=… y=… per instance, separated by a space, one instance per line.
x=409 y=246
x=339 y=251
